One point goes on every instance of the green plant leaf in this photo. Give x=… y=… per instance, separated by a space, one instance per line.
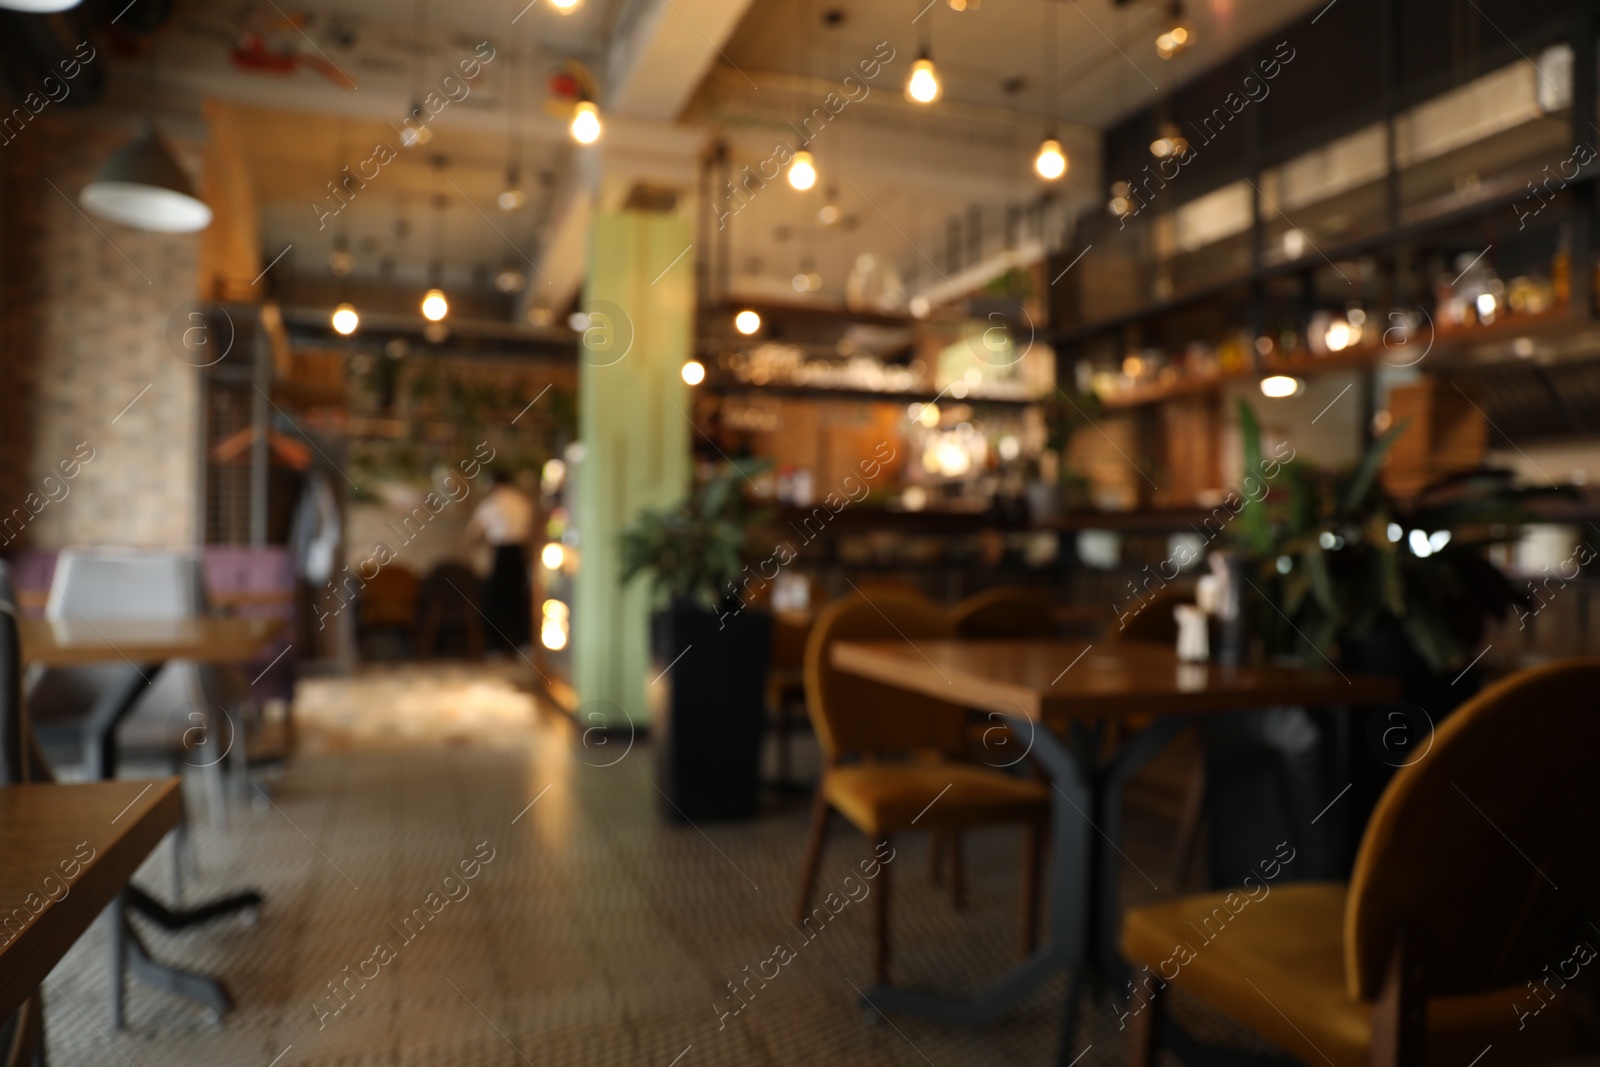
x=1361 y=482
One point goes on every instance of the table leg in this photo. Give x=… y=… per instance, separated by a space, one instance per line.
x=119 y=928
x=128 y=953
x=200 y=988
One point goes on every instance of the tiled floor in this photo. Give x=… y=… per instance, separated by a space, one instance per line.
x=592 y=933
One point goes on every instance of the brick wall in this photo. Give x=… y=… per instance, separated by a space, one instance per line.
x=83 y=323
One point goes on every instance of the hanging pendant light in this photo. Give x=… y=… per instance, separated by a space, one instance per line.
x=924 y=86
x=143 y=186
x=38 y=7
x=345 y=319
x=586 y=128
x=510 y=278
x=1179 y=34
x=434 y=305
x=1051 y=162
x=511 y=197
x=803 y=171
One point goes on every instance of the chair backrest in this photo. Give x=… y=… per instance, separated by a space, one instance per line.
x=855 y=716
x=1468 y=844
x=13 y=725
x=1154 y=621
x=1019 y=611
x=110 y=583
x=389 y=597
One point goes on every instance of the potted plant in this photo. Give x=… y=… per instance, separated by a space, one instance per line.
x=711 y=646
x=1377 y=585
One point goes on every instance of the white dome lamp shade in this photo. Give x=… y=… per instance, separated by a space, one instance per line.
x=38 y=7
x=142 y=186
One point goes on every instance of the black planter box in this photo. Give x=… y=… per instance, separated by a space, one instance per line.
x=708 y=710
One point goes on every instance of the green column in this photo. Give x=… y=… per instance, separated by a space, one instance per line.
x=633 y=409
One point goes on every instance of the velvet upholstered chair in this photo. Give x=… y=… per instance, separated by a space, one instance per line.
x=1464 y=924
x=889 y=754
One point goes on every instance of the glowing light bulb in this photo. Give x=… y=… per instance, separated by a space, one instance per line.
x=586 y=122
x=694 y=372
x=1281 y=385
x=1051 y=162
x=553 y=556
x=510 y=279
x=1339 y=336
x=923 y=86
x=747 y=322
x=510 y=198
x=345 y=320
x=803 y=171
x=566 y=7
x=434 y=305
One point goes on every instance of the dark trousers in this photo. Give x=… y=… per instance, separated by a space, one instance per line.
x=508 y=599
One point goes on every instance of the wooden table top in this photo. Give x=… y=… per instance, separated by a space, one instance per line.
x=1053 y=679
x=66 y=851
x=209 y=639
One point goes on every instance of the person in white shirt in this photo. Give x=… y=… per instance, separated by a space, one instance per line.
x=505 y=519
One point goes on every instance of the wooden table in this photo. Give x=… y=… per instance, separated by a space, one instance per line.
x=147 y=646
x=46 y=826
x=81 y=641
x=1048 y=692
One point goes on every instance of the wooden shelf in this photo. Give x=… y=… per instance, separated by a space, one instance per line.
x=821 y=392
x=1446 y=342
x=858 y=519
x=781 y=309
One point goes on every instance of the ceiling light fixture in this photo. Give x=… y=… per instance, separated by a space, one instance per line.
x=747 y=322
x=345 y=320
x=923 y=86
x=434 y=305
x=566 y=7
x=38 y=7
x=1278 y=386
x=586 y=128
x=803 y=171
x=1179 y=35
x=694 y=372
x=1051 y=161
x=1170 y=142
x=511 y=277
x=142 y=186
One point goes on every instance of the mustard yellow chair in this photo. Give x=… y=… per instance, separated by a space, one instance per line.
x=1006 y=611
x=1474 y=882
x=896 y=761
